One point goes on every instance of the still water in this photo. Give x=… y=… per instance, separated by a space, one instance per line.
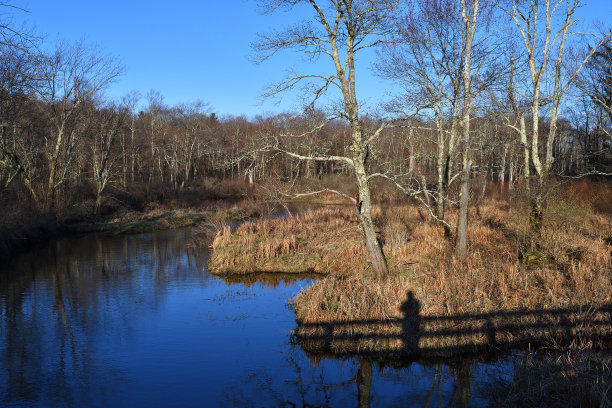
x=137 y=321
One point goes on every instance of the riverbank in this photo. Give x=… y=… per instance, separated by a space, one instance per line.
x=20 y=235
x=501 y=295
x=435 y=307
x=314 y=241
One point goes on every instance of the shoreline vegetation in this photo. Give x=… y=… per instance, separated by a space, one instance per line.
x=433 y=305
x=18 y=240
x=211 y=204
x=499 y=286
x=572 y=266
x=19 y=234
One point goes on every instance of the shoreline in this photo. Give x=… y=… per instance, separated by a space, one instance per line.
x=500 y=286
x=20 y=239
x=555 y=305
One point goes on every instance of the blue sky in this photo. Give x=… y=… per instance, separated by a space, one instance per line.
x=190 y=50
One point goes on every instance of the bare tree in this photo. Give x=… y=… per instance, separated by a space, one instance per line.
x=426 y=58
x=103 y=136
x=469 y=13
x=155 y=131
x=544 y=39
x=596 y=82
x=194 y=123
x=17 y=146
x=69 y=76
x=130 y=102
x=15 y=37
x=339 y=30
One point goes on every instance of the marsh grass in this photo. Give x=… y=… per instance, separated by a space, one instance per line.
x=573 y=269
x=322 y=241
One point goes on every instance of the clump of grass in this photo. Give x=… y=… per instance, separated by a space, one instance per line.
x=319 y=241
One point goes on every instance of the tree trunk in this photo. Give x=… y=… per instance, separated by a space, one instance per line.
x=526 y=159
x=364 y=214
x=464 y=199
x=469 y=13
x=50 y=196
x=441 y=196
x=502 y=172
x=123 y=160
x=536 y=213
x=133 y=153
x=98 y=204
x=445 y=183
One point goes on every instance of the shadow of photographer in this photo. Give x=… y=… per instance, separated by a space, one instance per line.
x=411 y=323
x=413 y=335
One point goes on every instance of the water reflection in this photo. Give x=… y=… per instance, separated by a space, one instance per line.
x=128 y=321
x=55 y=300
x=362 y=383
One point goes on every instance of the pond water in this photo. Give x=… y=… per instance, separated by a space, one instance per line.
x=137 y=321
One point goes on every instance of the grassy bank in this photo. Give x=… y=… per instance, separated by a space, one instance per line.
x=316 y=241
x=434 y=306
x=501 y=295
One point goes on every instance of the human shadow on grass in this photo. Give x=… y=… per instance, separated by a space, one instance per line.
x=415 y=336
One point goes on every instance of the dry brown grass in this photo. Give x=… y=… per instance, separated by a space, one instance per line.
x=574 y=269
x=319 y=241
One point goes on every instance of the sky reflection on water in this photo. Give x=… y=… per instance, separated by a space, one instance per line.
x=130 y=321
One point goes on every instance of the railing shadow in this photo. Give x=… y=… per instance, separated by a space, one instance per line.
x=431 y=337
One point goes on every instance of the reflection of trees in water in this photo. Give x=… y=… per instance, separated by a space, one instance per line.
x=297 y=383
x=43 y=355
x=55 y=300
x=270 y=280
x=327 y=382
x=364 y=383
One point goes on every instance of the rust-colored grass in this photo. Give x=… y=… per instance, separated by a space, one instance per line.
x=323 y=241
x=493 y=291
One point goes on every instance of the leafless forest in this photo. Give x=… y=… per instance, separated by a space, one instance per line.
x=504 y=93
